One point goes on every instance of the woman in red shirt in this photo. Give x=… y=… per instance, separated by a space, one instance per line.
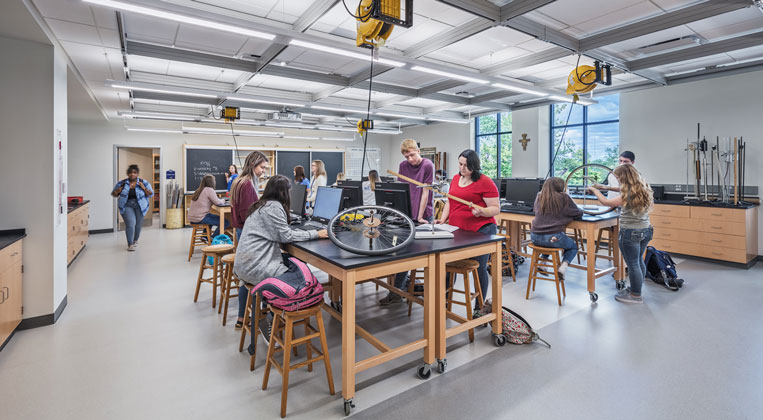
x=471 y=185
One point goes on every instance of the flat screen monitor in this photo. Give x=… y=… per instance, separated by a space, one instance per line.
x=387 y=178
x=327 y=202
x=399 y=200
x=522 y=190
x=393 y=186
x=351 y=197
x=500 y=184
x=349 y=183
x=297 y=199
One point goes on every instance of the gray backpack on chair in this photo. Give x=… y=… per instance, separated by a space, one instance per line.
x=516 y=329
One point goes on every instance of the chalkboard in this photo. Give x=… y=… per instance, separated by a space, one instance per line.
x=200 y=162
x=334 y=162
x=287 y=160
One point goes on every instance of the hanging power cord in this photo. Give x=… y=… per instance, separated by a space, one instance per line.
x=362 y=18
x=368 y=116
x=561 y=141
x=235 y=143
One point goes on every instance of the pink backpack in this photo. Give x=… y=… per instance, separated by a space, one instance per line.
x=293 y=290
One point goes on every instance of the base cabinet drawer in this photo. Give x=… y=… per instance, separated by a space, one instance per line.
x=671 y=211
x=725 y=254
x=722 y=215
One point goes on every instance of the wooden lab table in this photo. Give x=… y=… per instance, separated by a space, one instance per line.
x=346 y=270
x=589 y=225
x=222 y=211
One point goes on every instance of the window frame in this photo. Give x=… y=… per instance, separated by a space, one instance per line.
x=498 y=133
x=585 y=124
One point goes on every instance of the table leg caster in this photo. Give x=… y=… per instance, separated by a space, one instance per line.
x=620 y=284
x=499 y=340
x=424 y=371
x=442 y=364
x=594 y=296
x=348 y=406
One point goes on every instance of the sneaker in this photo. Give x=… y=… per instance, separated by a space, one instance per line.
x=131 y=247
x=135 y=244
x=390 y=299
x=265 y=327
x=418 y=288
x=625 y=296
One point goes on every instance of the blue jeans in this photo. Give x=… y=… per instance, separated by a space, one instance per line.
x=213 y=220
x=488 y=229
x=633 y=243
x=557 y=240
x=133 y=218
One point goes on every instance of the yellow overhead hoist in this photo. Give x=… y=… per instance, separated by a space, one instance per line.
x=584 y=79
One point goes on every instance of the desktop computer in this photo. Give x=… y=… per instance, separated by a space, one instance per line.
x=351 y=197
x=399 y=200
x=327 y=202
x=297 y=200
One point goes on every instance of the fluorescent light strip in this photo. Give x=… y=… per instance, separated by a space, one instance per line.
x=302 y=137
x=262 y=101
x=182 y=18
x=159 y=117
x=447 y=120
x=171 y=92
x=520 y=89
x=287 y=125
x=355 y=130
x=338 y=51
x=238 y=132
x=338 y=138
x=387 y=114
x=451 y=75
x=329 y=108
x=154 y=130
x=581 y=102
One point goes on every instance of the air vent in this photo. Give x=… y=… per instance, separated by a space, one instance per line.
x=285 y=116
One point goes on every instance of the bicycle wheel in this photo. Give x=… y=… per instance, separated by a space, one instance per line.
x=371 y=230
x=592 y=173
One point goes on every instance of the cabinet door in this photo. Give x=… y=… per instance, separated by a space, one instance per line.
x=10 y=296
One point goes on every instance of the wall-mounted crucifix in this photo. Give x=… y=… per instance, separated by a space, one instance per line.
x=524 y=140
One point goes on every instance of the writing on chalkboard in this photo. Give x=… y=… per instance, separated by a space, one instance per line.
x=202 y=162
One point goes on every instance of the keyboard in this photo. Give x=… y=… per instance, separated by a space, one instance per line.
x=516 y=207
x=312 y=226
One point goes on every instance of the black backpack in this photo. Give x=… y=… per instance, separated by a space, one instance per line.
x=661 y=269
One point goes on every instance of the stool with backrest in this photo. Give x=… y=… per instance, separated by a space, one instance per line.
x=201 y=236
x=464 y=268
x=282 y=339
x=216 y=252
x=549 y=266
x=229 y=287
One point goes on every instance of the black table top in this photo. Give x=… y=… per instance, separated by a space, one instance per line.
x=697 y=203
x=8 y=237
x=585 y=218
x=327 y=251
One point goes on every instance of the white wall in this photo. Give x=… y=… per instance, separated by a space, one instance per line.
x=532 y=162
x=32 y=108
x=446 y=137
x=60 y=127
x=92 y=161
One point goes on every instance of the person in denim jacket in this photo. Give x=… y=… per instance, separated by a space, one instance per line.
x=636 y=231
x=133 y=196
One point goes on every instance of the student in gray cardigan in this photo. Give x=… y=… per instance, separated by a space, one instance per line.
x=258 y=255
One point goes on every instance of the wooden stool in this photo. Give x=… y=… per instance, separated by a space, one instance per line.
x=605 y=243
x=551 y=266
x=577 y=235
x=416 y=274
x=246 y=329
x=284 y=323
x=229 y=285
x=199 y=233
x=505 y=256
x=216 y=252
x=464 y=267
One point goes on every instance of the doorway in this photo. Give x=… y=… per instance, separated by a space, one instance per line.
x=148 y=160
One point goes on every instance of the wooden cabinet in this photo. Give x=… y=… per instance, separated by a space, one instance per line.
x=727 y=234
x=10 y=289
x=79 y=229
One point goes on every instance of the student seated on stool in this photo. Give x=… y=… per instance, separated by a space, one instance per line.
x=554 y=210
x=201 y=203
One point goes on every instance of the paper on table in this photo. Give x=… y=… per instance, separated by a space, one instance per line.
x=442 y=228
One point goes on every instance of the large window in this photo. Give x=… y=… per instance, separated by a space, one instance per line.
x=493 y=144
x=591 y=135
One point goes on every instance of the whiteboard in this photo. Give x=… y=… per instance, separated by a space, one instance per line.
x=354 y=157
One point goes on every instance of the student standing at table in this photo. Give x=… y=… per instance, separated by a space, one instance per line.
x=613 y=185
x=473 y=186
x=201 y=202
x=637 y=201
x=422 y=170
x=554 y=210
x=369 y=188
x=300 y=178
x=258 y=255
x=318 y=179
x=244 y=189
x=133 y=194
x=231 y=175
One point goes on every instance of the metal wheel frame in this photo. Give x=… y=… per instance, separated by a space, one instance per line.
x=589 y=165
x=364 y=209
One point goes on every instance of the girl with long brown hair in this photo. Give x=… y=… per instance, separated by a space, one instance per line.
x=300 y=178
x=636 y=200
x=201 y=202
x=243 y=192
x=554 y=210
x=318 y=170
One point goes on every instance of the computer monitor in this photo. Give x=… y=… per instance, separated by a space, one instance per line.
x=327 y=202
x=351 y=197
x=393 y=186
x=387 y=178
x=399 y=200
x=349 y=183
x=522 y=190
x=297 y=199
x=501 y=186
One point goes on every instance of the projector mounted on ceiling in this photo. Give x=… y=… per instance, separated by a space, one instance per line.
x=285 y=115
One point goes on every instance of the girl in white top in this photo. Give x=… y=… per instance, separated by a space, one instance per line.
x=369 y=189
x=318 y=179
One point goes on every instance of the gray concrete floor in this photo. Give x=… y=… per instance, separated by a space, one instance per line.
x=132 y=344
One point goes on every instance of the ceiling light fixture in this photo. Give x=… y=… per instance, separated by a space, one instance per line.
x=582 y=102
x=262 y=101
x=330 y=108
x=519 y=89
x=169 y=117
x=337 y=51
x=338 y=138
x=355 y=130
x=171 y=92
x=301 y=137
x=451 y=75
x=448 y=120
x=182 y=18
x=238 y=132
x=154 y=130
x=388 y=114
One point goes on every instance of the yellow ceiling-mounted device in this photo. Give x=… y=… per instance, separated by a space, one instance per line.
x=230 y=114
x=584 y=79
x=365 y=125
x=377 y=18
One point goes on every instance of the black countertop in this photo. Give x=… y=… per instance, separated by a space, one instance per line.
x=73 y=207
x=8 y=237
x=586 y=217
x=678 y=201
x=327 y=251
